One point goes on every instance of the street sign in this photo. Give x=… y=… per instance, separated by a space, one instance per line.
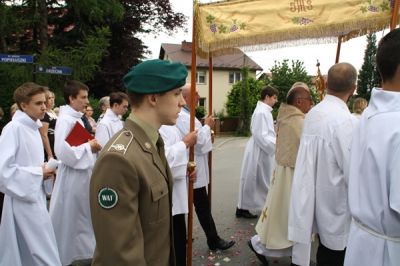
x=56 y=70
x=14 y=58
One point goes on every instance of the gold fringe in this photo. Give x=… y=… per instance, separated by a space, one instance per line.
x=298 y=35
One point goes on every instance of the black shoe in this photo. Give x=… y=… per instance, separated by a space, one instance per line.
x=220 y=244
x=259 y=256
x=242 y=213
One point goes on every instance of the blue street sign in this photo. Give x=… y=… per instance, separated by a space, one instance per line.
x=14 y=58
x=56 y=70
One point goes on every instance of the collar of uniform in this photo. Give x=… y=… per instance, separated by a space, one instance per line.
x=150 y=131
x=337 y=101
x=23 y=118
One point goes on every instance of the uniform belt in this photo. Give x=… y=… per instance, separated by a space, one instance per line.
x=374 y=233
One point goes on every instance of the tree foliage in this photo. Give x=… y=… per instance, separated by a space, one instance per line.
x=368 y=76
x=126 y=49
x=97 y=38
x=285 y=75
x=233 y=103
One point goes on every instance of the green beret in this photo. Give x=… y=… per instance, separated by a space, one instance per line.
x=155 y=76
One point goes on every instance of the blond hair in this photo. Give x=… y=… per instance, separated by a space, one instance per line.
x=359 y=105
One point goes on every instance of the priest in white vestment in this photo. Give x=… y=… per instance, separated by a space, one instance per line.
x=26 y=231
x=319 y=188
x=69 y=205
x=271 y=239
x=374 y=173
x=258 y=161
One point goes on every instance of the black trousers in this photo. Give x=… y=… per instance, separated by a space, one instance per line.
x=329 y=257
x=203 y=212
x=180 y=239
x=1 y=204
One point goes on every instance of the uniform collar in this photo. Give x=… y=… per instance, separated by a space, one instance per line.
x=150 y=131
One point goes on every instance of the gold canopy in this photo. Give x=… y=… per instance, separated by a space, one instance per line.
x=220 y=26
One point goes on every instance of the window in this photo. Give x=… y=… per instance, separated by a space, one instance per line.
x=200 y=77
x=235 y=77
x=202 y=102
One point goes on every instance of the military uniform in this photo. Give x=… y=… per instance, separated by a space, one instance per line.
x=130 y=200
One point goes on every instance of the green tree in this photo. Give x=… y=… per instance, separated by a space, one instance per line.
x=126 y=48
x=242 y=100
x=368 y=76
x=285 y=75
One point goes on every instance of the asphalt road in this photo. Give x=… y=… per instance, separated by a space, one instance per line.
x=227 y=160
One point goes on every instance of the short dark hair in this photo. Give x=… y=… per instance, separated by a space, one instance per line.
x=118 y=98
x=136 y=99
x=268 y=91
x=341 y=77
x=25 y=92
x=388 y=55
x=72 y=88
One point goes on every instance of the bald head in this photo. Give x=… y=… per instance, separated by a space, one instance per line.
x=186 y=90
x=299 y=96
x=298 y=89
x=186 y=94
x=342 y=78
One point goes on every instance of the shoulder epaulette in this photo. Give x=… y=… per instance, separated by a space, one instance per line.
x=122 y=142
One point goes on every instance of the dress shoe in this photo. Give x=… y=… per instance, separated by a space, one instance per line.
x=260 y=257
x=220 y=244
x=241 y=213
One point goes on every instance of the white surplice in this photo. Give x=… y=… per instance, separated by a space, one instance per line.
x=26 y=231
x=69 y=205
x=258 y=160
x=374 y=184
x=201 y=149
x=107 y=127
x=177 y=157
x=319 y=189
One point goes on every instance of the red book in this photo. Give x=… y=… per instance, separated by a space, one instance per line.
x=78 y=135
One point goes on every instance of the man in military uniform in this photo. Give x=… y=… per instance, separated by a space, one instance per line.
x=131 y=186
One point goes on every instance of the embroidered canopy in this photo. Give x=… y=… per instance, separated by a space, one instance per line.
x=220 y=26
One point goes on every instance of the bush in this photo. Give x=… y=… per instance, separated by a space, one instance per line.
x=233 y=103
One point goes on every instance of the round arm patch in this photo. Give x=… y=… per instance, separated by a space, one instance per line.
x=107 y=198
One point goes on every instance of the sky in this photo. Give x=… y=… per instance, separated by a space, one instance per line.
x=351 y=51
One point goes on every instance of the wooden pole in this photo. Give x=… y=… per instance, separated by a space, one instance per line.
x=191 y=149
x=395 y=13
x=210 y=112
x=339 y=45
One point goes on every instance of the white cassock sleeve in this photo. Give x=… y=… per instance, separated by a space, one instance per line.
x=175 y=153
x=79 y=157
x=394 y=190
x=261 y=132
x=302 y=200
x=102 y=134
x=16 y=181
x=204 y=143
x=341 y=144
